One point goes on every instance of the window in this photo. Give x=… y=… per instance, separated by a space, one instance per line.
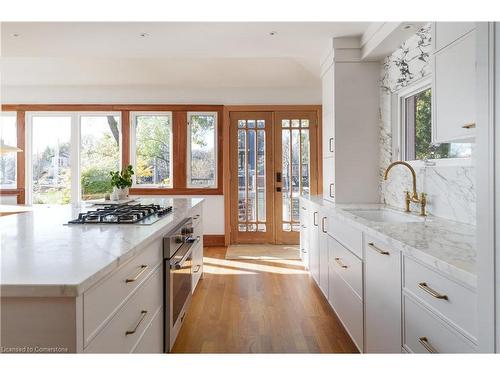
x=70 y=155
x=417 y=130
x=99 y=153
x=151 y=149
x=202 y=150
x=8 y=161
x=51 y=159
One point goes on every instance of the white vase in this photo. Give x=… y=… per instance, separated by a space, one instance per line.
x=119 y=194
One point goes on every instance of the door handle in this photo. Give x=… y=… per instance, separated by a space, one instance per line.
x=330 y=145
x=278 y=176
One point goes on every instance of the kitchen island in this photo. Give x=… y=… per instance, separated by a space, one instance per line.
x=75 y=288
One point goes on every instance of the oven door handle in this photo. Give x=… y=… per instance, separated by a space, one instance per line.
x=178 y=265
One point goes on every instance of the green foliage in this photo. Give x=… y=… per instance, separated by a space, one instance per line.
x=95 y=181
x=424 y=149
x=122 y=179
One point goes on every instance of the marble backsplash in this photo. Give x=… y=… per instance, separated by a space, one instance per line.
x=450 y=188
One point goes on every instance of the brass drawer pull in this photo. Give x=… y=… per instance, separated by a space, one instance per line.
x=323 y=221
x=305 y=209
x=342 y=265
x=143 y=315
x=196 y=216
x=472 y=125
x=427 y=345
x=304 y=251
x=197 y=268
x=377 y=249
x=431 y=291
x=144 y=267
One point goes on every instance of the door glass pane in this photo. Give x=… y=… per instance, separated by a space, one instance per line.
x=51 y=174
x=252 y=204
x=295 y=180
x=305 y=182
x=261 y=176
x=242 y=162
x=153 y=144
x=286 y=164
x=8 y=161
x=99 y=154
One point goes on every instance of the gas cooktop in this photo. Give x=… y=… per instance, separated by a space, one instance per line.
x=143 y=214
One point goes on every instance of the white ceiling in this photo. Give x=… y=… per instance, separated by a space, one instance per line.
x=173 y=54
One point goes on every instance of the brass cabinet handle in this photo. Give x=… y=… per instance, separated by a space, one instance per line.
x=323 y=220
x=144 y=267
x=197 y=268
x=471 y=125
x=377 y=249
x=330 y=145
x=427 y=345
x=314 y=218
x=305 y=209
x=431 y=291
x=196 y=216
x=143 y=315
x=304 y=251
x=332 y=195
x=342 y=265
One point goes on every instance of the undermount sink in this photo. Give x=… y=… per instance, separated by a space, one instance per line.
x=385 y=215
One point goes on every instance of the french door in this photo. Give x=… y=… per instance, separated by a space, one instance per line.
x=273 y=161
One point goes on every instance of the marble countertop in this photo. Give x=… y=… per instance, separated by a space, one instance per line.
x=42 y=256
x=446 y=245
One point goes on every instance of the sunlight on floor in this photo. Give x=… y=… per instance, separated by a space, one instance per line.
x=234 y=267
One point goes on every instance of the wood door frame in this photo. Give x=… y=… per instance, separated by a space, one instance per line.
x=226 y=150
x=281 y=236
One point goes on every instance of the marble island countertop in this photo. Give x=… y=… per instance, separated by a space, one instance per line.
x=41 y=256
x=443 y=244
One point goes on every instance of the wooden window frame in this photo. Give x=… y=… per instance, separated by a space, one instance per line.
x=179 y=130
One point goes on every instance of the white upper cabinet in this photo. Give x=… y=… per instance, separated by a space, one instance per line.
x=446 y=33
x=327 y=110
x=454 y=83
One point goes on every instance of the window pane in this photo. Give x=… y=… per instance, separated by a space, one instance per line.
x=418 y=127
x=99 y=154
x=51 y=159
x=8 y=137
x=153 y=144
x=202 y=158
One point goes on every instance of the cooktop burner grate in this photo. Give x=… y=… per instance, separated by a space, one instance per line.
x=121 y=214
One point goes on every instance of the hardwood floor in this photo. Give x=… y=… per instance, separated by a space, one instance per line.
x=259 y=307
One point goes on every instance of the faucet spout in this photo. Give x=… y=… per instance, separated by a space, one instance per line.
x=413 y=175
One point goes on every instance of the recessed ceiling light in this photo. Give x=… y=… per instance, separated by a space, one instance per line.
x=15 y=35
x=273 y=33
x=143 y=35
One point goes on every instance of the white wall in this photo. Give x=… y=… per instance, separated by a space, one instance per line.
x=157 y=95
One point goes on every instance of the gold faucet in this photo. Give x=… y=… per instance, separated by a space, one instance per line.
x=414 y=196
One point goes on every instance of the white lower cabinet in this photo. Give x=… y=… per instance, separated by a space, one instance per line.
x=305 y=228
x=314 y=244
x=424 y=332
x=152 y=338
x=323 y=253
x=382 y=298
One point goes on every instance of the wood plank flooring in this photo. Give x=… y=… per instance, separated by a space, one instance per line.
x=259 y=306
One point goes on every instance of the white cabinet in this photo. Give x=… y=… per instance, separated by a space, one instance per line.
x=382 y=298
x=454 y=85
x=314 y=243
x=446 y=33
x=328 y=179
x=323 y=253
x=197 y=267
x=328 y=112
x=305 y=228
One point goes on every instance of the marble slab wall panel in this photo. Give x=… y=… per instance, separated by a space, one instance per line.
x=451 y=189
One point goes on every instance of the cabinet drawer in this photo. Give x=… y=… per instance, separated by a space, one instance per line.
x=349 y=309
x=447 y=32
x=348 y=236
x=152 y=338
x=126 y=327
x=196 y=214
x=455 y=302
x=348 y=266
x=103 y=299
x=424 y=332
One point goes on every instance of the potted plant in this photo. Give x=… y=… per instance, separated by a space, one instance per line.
x=121 y=181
